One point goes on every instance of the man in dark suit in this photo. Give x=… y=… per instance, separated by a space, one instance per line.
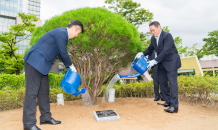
x=168 y=61
x=38 y=62
x=158 y=95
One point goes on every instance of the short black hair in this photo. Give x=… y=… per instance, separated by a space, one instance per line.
x=75 y=22
x=155 y=23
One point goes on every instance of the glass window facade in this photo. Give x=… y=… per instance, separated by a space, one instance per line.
x=34 y=7
x=5 y=23
x=9 y=7
x=8 y=13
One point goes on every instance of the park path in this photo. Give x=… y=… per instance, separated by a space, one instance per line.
x=135 y=114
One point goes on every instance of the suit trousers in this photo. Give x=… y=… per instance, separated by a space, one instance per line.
x=156 y=82
x=37 y=86
x=170 y=93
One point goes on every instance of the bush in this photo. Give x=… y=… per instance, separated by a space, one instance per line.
x=55 y=80
x=144 y=89
x=12 y=80
x=196 y=89
x=13 y=99
x=18 y=81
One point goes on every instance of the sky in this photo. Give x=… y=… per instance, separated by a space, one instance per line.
x=191 y=20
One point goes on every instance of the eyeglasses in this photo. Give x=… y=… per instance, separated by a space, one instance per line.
x=153 y=30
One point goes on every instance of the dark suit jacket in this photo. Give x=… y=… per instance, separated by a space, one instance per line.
x=52 y=44
x=167 y=53
x=151 y=56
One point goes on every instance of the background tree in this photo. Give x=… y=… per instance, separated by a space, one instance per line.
x=211 y=45
x=11 y=62
x=108 y=44
x=132 y=12
x=178 y=42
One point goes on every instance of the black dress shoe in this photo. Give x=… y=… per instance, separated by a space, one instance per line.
x=156 y=99
x=165 y=104
x=32 y=128
x=51 y=122
x=171 y=110
x=163 y=99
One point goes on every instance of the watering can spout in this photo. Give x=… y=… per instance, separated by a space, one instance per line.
x=129 y=76
x=82 y=91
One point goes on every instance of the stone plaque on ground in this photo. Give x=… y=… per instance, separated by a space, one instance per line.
x=106 y=115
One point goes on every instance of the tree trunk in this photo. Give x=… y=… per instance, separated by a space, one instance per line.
x=95 y=67
x=94 y=98
x=17 y=72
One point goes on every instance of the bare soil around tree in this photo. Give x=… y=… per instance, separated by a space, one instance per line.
x=135 y=114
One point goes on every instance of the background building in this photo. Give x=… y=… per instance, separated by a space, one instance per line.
x=9 y=16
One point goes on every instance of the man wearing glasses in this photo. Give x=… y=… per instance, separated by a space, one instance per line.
x=168 y=61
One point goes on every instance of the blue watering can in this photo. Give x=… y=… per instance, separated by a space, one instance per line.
x=70 y=83
x=141 y=65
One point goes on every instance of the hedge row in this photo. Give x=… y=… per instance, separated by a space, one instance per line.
x=11 y=80
x=195 y=89
x=18 y=81
x=199 y=89
x=13 y=99
x=143 y=89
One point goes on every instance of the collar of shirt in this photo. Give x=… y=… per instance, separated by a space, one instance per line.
x=158 y=35
x=68 y=35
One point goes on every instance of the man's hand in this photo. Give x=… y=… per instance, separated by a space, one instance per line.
x=73 y=68
x=152 y=63
x=138 y=55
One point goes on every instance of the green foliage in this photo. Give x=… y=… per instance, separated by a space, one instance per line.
x=195 y=89
x=146 y=44
x=103 y=29
x=180 y=48
x=211 y=45
x=192 y=51
x=11 y=65
x=144 y=89
x=15 y=82
x=12 y=81
x=198 y=89
x=177 y=41
x=11 y=99
x=132 y=12
x=210 y=73
x=55 y=80
x=166 y=29
x=108 y=44
x=10 y=61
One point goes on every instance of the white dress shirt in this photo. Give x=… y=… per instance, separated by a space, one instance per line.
x=68 y=35
x=157 y=40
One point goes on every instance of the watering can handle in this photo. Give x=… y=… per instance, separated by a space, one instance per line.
x=137 y=58
x=145 y=58
x=130 y=72
x=133 y=62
